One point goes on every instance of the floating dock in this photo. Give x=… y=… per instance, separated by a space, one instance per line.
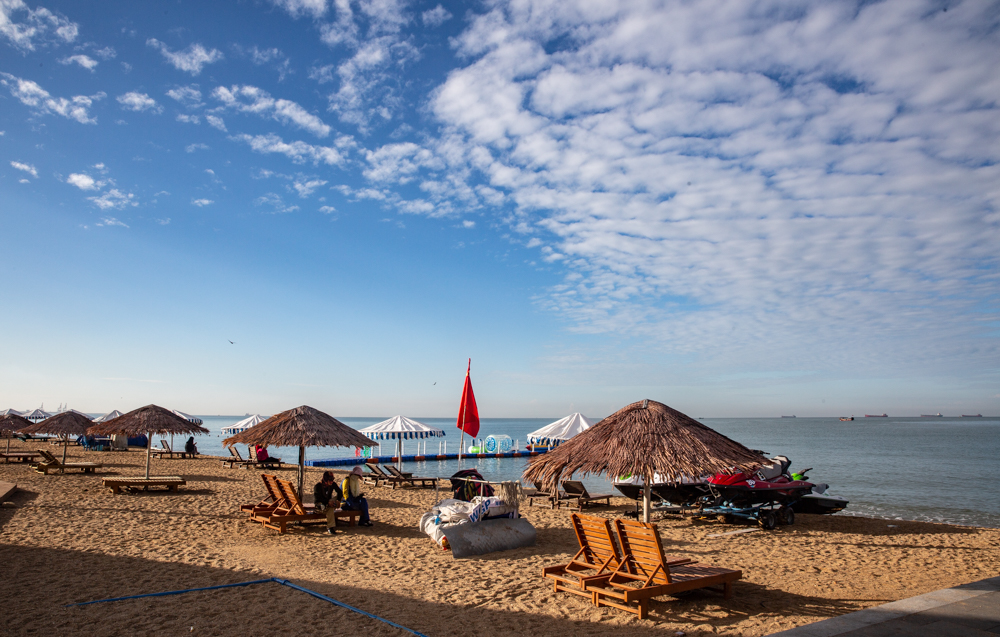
x=339 y=462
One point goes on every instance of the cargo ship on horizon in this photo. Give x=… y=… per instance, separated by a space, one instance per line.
x=876 y=415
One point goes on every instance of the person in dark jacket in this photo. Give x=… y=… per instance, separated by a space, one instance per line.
x=190 y=448
x=327 y=496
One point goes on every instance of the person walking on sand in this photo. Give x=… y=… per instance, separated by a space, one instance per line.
x=327 y=497
x=354 y=499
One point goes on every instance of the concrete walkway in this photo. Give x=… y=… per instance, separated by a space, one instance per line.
x=969 y=610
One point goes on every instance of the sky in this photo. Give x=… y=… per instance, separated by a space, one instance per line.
x=735 y=208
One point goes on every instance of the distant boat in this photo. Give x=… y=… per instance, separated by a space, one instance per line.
x=937 y=415
x=788 y=416
x=876 y=415
x=845 y=419
x=972 y=416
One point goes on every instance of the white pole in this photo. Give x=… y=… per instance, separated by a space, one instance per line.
x=646 y=496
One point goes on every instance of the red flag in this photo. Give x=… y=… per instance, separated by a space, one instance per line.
x=468 y=413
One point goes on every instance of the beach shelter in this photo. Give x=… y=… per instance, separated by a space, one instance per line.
x=37 y=415
x=147 y=420
x=68 y=423
x=108 y=416
x=560 y=431
x=192 y=419
x=300 y=427
x=400 y=428
x=9 y=412
x=9 y=423
x=643 y=439
x=243 y=425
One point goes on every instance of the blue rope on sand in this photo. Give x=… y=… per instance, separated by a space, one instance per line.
x=258 y=581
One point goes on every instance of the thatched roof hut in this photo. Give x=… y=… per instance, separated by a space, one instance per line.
x=300 y=427
x=66 y=425
x=9 y=423
x=643 y=439
x=148 y=420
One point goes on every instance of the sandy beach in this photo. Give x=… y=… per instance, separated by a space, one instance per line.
x=68 y=540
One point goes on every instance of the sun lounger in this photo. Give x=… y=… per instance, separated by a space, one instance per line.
x=236 y=459
x=7 y=489
x=377 y=474
x=167 y=451
x=51 y=463
x=116 y=484
x=644 y=572
x=542 y=495
x=271 y=501
x=19 y=456
x=407 y=478
x=577 y=493
x=598 y=555
x=292 y=510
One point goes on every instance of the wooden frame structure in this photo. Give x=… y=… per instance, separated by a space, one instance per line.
x=598 y=555
x=574 y=490
x=116 y=484
x=288 y=508
x=51 y=463
x=408 y=478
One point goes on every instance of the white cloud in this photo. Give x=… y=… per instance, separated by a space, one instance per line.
x=193 y=147
x=107 y=53
x=86 y=62
x=42 y=103
x=114 y=199
x=468 y=224
x=189 y=96
x=201 y=203
x=399 y=162
x=306 y=188
x=24 y=181
x=274 y=203
x=28 y=168
x=110 y=221
x=188 y=119
x=435 y=17
x=84 y=182
x=327 y=209
x=313 y=8
x=26 y=28
x=216 y=122
x=138 y=102
x=163 y=222
x=250 y=99
x=298 y=152
x=191 y=60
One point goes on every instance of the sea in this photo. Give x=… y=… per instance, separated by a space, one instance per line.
x=897 y=468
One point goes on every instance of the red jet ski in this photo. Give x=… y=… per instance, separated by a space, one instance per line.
x=765 y=495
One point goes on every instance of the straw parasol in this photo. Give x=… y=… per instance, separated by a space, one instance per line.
x=10 y=423
x=147 y=420
x=641 y=439
x=300 y=427
x=68 y=423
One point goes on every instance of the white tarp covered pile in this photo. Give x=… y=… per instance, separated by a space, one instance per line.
x=450 y=512
x=560 y=431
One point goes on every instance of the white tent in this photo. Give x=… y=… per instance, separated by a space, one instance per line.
x=192 y=419
x=14 y=412
x=243 y=425
x=560 y=431
x=37 y=415
x=401 y=428
x=109 y=416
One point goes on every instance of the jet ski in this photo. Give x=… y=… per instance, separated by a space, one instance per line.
x=770 y=485
x=684 y=494
x=819 y=502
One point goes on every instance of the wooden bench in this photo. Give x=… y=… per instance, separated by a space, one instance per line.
x=6 y=490
x=117 y=484
x=352 y=516
x=20 y=456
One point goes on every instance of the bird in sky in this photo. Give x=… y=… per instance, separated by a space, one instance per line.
x=435 y=382
x=230 y=342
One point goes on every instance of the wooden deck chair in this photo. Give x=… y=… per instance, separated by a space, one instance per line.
x=378 y=474
x=576 y=492
x=291 y=510
x=51 y=463
x=644 y=572
x=542 y=495
x=235 y=459
x=598 y=555
x=408 y=478
x=271 y=501
x=270 y=462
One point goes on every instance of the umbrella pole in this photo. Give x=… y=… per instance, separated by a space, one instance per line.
x=149 y=450
x=646 y=495
x=399 y=454
x=302 y=467
x=65 y=446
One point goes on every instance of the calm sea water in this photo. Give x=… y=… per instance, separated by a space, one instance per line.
x=894 y=468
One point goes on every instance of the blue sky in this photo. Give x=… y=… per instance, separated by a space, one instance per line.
x=739 y=209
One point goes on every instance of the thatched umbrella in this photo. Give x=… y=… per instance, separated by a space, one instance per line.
x=64 y=425
x=300 y=427
x=9 y=423
x=147 y=420
x=643 y=439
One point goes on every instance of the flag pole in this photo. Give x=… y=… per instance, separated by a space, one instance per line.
x=461 y=440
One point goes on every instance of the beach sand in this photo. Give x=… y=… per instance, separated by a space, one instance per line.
x=68 y=540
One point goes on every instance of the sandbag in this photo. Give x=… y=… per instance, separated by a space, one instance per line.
x=489 y=536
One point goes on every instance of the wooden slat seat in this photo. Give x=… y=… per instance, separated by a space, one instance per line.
x=409 y=479
x=51 y=463
x=644 y=572
x=167 y=451
x=291 y=509
x=271 y=501
x=117 y=483
x=19 y=456
x=598 y=554
x=576 y=492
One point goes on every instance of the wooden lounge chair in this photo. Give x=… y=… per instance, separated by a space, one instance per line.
x=407 y=478
x=51 y=463
x=598 y=555
x=379 y=475
x=271 y=501
x=577 y=493
x=542 y=495
x=19 y=456
x=117 y=483
x=167 y=451
x=236 y=459
x=270 y=462
x=292 y=510
x=644 y=572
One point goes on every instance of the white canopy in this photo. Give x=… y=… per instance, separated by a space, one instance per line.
x=37 y=415
x=193 y=419
x=401 y=427
x=243 y=425
x=109 y=416
x=7 y=412
x=561 y=430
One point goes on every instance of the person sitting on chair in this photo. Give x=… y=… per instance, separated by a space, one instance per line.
x=354 y=499
x=190 y=448
x=327 y=497
x=262 y=455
